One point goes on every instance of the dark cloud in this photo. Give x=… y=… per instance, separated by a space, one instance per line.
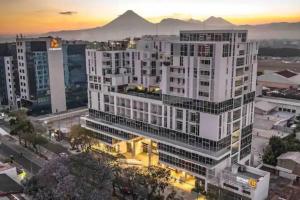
x=67 y=13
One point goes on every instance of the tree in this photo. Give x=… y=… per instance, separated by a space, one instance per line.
x=269 y=157
x=22 y=128
x=76 y=177
x=156 y=180
x=173 y=196
x=80 y=138
x=141 y=183
x=277 y=145
x=26 y=130
x=275 y=148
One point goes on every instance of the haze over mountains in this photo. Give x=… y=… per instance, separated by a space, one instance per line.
x=130 y=24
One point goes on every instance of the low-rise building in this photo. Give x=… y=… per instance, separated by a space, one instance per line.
x=241 y=182
x=279 y=79
x=288 y=165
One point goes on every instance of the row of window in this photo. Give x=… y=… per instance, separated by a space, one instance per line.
x=187 y=155
x=109 y=130
x=170 y=134
x=200 y=105
x=205 y=36
x=182 y=164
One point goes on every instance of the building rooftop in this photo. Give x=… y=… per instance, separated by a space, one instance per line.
x=5 y=166
x=287 y=73
x=292 y=102
x=9 y=186
x=216 y=30
x=276 y=78
x=292 y=155
x=264 y=106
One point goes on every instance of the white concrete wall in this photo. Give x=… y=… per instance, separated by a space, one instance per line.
x=10 y=84
x=56 y=79
x=209 y=127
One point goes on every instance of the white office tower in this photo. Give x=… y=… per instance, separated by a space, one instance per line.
x=41 y=74
x=11 y=81
x=186 y=103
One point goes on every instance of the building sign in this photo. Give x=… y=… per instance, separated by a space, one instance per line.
x=54 y=44
x=250 y=182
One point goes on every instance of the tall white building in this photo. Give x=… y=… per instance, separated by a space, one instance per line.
x=9 y=80
x=187 y=102
x=51 y=74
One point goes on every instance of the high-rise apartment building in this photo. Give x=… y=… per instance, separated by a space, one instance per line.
x=184 y=102
x=9 y=80
x=51 y=73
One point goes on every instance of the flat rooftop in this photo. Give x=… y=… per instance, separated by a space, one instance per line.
x=9 y=186
x=215 y=30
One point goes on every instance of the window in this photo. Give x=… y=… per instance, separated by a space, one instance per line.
x=226 y=50
x=240 y=61
x=183 y=50
x=205 y=73
x=192 y=50
x=205 y=62
x=181 y=61
x=179 y=114
x=205 y=50
x=179 y=125
x=203 y=94
x=204 y=83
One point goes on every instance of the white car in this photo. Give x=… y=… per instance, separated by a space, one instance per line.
x=2 y=115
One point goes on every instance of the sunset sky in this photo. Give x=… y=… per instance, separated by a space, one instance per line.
x=38 y=16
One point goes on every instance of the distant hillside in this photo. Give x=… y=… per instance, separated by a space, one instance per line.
x=130 y=24
x=279 y=52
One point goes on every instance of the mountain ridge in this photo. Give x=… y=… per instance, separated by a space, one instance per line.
x=130 y=24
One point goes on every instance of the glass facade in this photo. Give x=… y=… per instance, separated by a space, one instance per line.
x=176 y=162
x=111 y=131
x=75 y=74
x=246 y=140
x=38 y=101
x=166 y=133
x=188 y=155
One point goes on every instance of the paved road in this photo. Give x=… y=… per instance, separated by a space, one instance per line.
x=56 y=148
x=51 y=146
x=24 y=162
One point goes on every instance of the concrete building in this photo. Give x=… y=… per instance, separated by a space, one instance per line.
x=288 y=165
x=9 y=80
x=241 y=182
x=185 y=103
x=51 y=73
x=284 y=79
x=282 y=104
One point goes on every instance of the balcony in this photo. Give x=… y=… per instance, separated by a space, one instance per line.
x=144 y=93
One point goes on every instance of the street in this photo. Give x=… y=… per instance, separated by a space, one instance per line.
x=30 y=161
x=28 y=165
